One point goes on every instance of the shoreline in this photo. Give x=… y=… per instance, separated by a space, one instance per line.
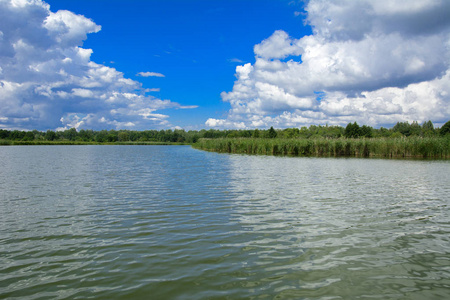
x=81 y=143
x=434 y=148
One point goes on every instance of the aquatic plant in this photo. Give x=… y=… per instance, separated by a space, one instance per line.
x=423 y=147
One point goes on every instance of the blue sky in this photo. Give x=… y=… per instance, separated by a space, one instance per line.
x=222 y=64
x=196 y=45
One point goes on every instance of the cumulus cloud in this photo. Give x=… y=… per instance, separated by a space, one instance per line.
x=374 y=62
x=211 y=122
x=150 y=74
x=48 y=81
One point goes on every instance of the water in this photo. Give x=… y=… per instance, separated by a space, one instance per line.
x=171 y=222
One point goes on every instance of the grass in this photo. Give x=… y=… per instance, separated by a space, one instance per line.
x=411 y=147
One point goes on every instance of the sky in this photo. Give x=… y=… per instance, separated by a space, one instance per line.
x=222 y=64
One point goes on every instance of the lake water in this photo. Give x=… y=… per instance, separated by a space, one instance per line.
x=171 y=222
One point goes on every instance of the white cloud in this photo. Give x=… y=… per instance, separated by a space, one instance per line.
x=236 y=60
x=48 y=81
x=279 y=45
x=69 y=29
x=371 y=61
x=224 y=123
x=83 y=93
x=150 y=74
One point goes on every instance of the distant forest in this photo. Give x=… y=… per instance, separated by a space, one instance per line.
x=352 y=130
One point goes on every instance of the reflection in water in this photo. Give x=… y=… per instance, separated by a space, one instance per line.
x=358 y=227
x=172 y=222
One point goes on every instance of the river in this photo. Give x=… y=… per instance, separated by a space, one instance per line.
x=172 y=222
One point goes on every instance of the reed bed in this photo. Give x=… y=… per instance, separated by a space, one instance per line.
x=411 y=147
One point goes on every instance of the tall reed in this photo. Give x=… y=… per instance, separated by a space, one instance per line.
x=420 y=147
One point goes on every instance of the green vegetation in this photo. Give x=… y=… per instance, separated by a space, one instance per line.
x=423 y=147
x=402 y=140
x=83 y=137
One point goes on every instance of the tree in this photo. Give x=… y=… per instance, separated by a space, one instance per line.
x=403 y=128
x=291 y=132
x=416 y=129
x=86 y=135
x=407 y=129
x=4 y=134
x=101 y=136
x=428 y=125
x=70 y=134
x=16 y=135
x=428 y=129
x=29 y=136
x=272 y=133
x=366 y=131
x=445 y=129
x=112 y=136
x=50 y=135
x=384 y=132
x=352 y=130
x=123 y=136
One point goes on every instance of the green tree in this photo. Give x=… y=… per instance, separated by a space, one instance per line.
x=50 y=135
x=101 y=136
x=428 y=128
x=402 y=127
x=352 y=130
x=123 y=136
x=70 y=134
x=428 y=125
x=245 y=133
x=86 y=135
x=382 y=132
x=304 y=132
x=416 y=129
x=396 y=135
x=366 y=131
x=4 y=134
x=210 y=134
x=407 y=129
x=232 y=134
x=272 y=133
x=112 y=137
x=134 y=135
x=16 y=135
x=445 y=129
x=29 y=136
x=291 y=133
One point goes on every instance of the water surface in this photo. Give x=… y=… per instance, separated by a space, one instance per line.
x=124 y=222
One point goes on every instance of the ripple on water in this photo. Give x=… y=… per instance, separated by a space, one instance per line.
x=176 y=223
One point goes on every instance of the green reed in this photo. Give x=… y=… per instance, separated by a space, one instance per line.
x=420 y=147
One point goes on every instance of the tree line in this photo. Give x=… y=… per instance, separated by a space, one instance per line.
x=352 y=130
